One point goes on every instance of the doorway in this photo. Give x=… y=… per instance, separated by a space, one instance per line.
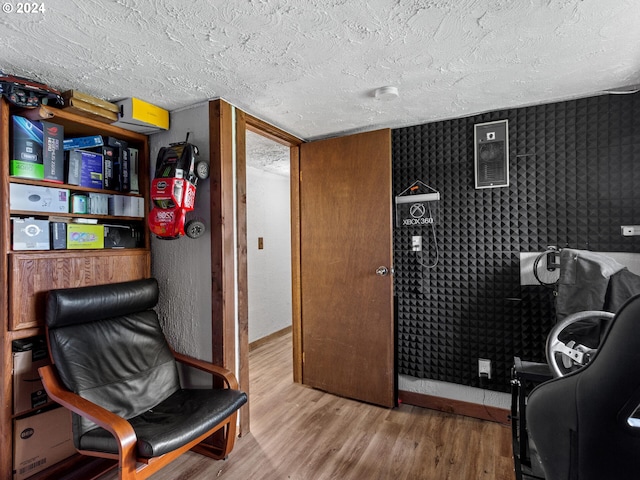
x=268 y=238
x=246 y=126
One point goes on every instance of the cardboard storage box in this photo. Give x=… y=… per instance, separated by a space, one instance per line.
x=140 y=116
x=116 y=205
x=126 y=206
x=83 y=142
x=58 y=238
x=26 y=155
x=30 y=234
x=133 y=207
x=134 y=162
x=89 y=106
x=85 y=236
x=38 y=199
x=85 y=169
x=121 y=236
x=40 y=441
x=98 y=204
x=29 y=354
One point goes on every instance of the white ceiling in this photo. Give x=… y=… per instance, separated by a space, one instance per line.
x=267 y=155
x=310 y=66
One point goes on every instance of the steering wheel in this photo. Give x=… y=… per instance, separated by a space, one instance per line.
x=572 y=354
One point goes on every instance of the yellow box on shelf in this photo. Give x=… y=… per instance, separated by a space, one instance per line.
x=141 y=116
x=82 y=236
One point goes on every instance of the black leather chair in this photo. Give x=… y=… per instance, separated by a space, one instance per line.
x=113 y=368
x=582 y=424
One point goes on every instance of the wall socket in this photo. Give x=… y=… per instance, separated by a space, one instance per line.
x=484 y=368
x=630 y=230
x=416 y=243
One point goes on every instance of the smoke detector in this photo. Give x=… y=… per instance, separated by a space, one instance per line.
x=386 y=93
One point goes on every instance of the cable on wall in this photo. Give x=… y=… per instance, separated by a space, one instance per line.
x=414 y=208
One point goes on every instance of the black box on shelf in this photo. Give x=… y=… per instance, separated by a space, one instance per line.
x=122 y=236
x=108 y=160
x=53 y=152
x=58 y=231
x=134 y=161
x=121 y=156
x=125 y=167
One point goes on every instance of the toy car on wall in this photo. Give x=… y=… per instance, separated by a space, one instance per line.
x=23 y=92
x=173 y=191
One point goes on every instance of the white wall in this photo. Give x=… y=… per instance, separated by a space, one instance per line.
x=454 y=391
x=269 y=269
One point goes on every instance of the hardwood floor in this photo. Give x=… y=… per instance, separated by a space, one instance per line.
x=303 y=434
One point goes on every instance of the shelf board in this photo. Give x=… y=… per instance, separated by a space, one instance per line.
x=28 y=213
x=77 y=467
x=78 y=252
x=25 y=333
x=77 y=125
x=75 y=188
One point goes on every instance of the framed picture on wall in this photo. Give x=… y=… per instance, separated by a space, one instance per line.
x=491 y=154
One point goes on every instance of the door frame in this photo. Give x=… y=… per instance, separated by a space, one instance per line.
x=246 y=122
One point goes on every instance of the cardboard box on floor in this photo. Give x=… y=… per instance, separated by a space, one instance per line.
x=28 y=392
x=40 y=441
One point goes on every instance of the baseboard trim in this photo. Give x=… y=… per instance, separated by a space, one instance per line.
x=261 y=341
x=458 y=407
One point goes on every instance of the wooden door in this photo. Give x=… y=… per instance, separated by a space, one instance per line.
x=345 y=234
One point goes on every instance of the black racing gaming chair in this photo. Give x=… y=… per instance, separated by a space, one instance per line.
x=582 y=424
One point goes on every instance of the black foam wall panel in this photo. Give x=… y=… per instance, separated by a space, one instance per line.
x=574 y=180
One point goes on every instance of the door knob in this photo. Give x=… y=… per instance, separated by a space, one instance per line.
x=382 y=271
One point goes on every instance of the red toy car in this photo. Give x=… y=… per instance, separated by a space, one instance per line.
x=173 y=191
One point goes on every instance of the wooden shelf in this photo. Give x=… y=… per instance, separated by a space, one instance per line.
x=32 y=274
x=77 y=467
x=28 y=275
x=75 y=188
x=76 y=125
x=29 y=213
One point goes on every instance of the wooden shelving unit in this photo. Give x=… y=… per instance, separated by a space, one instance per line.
x=28 y=275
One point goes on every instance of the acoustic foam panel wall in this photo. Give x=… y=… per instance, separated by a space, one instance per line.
x=574 y=178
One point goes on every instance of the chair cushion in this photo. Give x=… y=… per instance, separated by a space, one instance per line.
x=70 y=306
x=108 y=347
x=174 y=422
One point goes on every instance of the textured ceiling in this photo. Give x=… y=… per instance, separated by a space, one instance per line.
x=267 y=155
x=310 y=66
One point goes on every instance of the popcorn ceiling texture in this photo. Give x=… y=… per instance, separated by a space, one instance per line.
x=310 y=66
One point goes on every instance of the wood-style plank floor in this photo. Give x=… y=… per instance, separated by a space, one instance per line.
x=298 y=433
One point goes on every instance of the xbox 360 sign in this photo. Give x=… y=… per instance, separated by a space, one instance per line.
x=415 y=210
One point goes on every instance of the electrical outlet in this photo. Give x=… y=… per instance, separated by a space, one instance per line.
x=484 y=368
x=630 y=230
x=416 y=243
